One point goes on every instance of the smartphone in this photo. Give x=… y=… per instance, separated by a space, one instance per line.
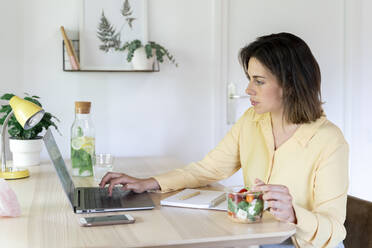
x=107 y=220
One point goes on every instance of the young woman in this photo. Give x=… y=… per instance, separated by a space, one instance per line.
x=284 y=144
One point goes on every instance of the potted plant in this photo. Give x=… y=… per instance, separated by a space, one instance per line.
x=25 y=145
x=143 y=56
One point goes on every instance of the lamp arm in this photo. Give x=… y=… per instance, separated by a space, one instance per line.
x=5 y=124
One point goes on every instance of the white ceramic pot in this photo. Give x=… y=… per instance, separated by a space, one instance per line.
x=25 y=152
x=140 y=61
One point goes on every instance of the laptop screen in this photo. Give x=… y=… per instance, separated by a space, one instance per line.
x=59 y=164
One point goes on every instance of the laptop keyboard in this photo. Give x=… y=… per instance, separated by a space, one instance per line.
x=99 y=198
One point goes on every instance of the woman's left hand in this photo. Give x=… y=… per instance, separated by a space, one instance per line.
x=278 y=199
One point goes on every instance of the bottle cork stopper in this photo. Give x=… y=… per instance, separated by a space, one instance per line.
x=82 y=107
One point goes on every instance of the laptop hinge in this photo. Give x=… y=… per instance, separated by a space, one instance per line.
x=79 y=199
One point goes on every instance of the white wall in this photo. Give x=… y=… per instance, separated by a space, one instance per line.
x=10 y=49
x=135 y=114
x=358 y=119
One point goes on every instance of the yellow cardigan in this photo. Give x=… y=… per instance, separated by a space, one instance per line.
x=313 y=164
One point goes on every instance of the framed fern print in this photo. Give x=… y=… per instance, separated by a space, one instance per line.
x=105 y=26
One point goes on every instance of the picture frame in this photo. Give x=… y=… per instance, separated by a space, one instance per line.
x=105 y=24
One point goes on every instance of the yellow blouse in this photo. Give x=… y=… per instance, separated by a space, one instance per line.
x=313 y=164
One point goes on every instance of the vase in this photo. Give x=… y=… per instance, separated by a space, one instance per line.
x=25 y=152
x=140 y=61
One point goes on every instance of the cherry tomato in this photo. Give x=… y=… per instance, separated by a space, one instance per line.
x=249 y=198
x=239 y=198
x=243 y=190
x=231 y=196
x=231 y=214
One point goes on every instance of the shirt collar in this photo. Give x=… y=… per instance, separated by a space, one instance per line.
x=307 y=130
x=303 y=134
x=261 y=117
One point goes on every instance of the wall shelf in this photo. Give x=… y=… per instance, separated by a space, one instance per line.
x=75 y=43
x=111 y=70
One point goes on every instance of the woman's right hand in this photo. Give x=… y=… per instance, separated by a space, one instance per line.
x=137 y=185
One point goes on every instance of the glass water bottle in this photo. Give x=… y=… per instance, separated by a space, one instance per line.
x=82 y=141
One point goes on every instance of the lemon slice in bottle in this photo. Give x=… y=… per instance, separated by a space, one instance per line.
x=77 y=143
x=88 y=148
x=88 y=144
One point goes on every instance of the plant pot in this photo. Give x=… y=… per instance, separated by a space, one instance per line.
x=140 y=61
x=25 y=152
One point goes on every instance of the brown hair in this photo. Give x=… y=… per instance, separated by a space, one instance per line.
x=289 y=58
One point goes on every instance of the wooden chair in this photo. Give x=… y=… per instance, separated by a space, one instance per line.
x=358 y=223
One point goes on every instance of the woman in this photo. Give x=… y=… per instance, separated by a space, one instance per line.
x=284 y=144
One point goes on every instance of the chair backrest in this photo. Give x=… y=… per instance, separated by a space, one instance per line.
x=358 y=223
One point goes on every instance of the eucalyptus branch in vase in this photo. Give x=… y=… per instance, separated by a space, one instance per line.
x=151 y=48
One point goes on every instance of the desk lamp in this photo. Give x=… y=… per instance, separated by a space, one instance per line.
x=28 y=115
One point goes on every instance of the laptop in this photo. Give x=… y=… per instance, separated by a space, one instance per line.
x=93 y=199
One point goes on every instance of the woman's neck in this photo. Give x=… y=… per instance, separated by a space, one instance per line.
x=282 y=129
x=279 y=123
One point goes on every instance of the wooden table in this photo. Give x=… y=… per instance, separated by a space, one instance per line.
x=48 y=221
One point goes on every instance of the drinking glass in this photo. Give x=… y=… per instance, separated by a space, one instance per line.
x=103 y=164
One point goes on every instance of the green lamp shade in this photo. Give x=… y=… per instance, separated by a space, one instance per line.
x=28 y=114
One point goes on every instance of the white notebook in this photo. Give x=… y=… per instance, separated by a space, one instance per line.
x=204 y=200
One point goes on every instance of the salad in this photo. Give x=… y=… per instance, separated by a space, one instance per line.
x=244 y=206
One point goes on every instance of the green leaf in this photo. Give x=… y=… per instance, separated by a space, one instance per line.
x=2 y=119
x=231 y=206
x=14 y=132
x=14 y=122
x=47 y=117
x=32 y=100
x=7 y=96
x=131 y=47
x=148 y=50
x=5 y=108
x=82 y=160
x=160 y=52
x=258 y=207
x=80 y=132
x=243 y=205
x=28 y=134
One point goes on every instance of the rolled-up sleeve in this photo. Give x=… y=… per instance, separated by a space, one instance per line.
x=323 y=224
x=220 y=163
